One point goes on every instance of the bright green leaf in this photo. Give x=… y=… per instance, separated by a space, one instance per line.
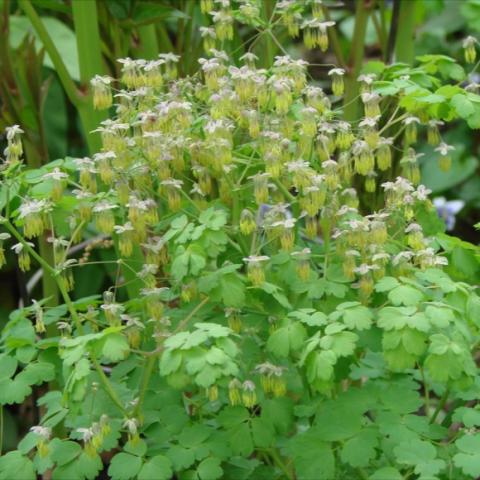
x=124 y=466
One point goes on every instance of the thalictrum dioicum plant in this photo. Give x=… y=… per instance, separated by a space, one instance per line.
x=260 y=324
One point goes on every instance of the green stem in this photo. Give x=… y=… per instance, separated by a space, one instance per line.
x=148 y=48
x=187 y=40
x=85 y=19
x=351 y=100
x=49 y=284
x=383 y=24
x=405 y=41
x=5 y=52
x=130 y=267
x=165 y=44
x=280 y=464
x=147 y=372
x=326 y=232
x=362 y=473
x=332 y=33
x=440 y=405
x=382 y=39
x=107 y=385
x=1 y=430
x=284 y=190
x=426 y=392
x=67 y=82
x=267 y=50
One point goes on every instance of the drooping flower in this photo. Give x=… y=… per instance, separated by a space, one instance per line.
x=469 y=46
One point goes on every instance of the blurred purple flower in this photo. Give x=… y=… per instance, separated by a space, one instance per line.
x=447 y=210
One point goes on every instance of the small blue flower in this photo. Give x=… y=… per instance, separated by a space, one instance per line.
x=447 y=210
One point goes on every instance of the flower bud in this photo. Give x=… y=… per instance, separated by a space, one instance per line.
x=39 y=323
x=103 y=162
x=59 y=182
x=411 y=128
x=153 y=302
x=131 y=424
x=223 y=21
x=445 y=159
x=338 y=86
x=317 y=9
x=314 y=198
x=302 y=263
x=111 y=309
x=171 y=188
x=279 y=385
x=350 y=198
x=345 y=167
x=171 y=72
x=273 y=164
x=365 y=283
x=371 y=102
x=130 y=74
x=317 y=99
x=282 y=94
x=363 y=157
x=290 y=18
x=234 y=394
x=209 y=38
x=189 y=291
x=287 y=233
x=134 y=337
x=225 y=192
x=33 y=214
x=378 y=232
x=43 y=449
x=212 y=393
x=253 y=120
x=153 y=75
x=255 y=269
x=383 y=154
x=330 y=168
x=410 y=168
x=369 y=131
x=350 y=263
x=260 y=187
x=234 y=319
x=247 y=222
x=14 y=149
x=415 y=238
x=433 y=133
x=104 y=216
x=323 y=35
x=469 y=46
x=402 y=264
x=102 y=92
x=3 y=237
x=370 y=183
x=380 y=261
x=206 y=6
x=345 y=137
x=67 y=279
x=311 y=227
x=249 y=396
